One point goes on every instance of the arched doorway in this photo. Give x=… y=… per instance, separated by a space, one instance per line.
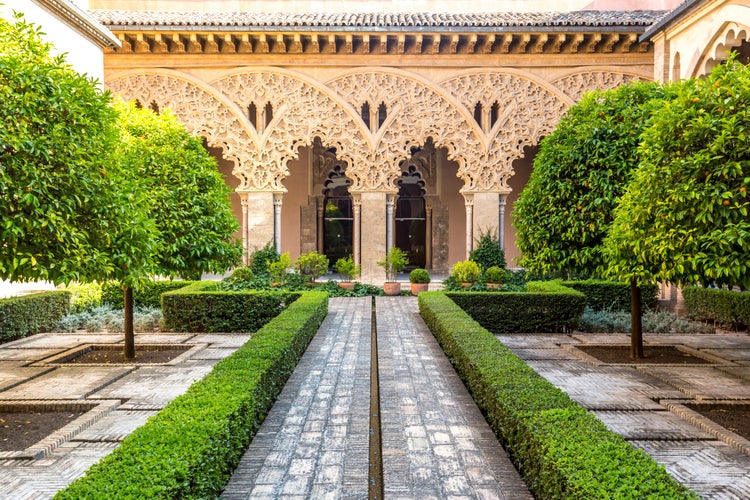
x=411 y=217
x=338 y=218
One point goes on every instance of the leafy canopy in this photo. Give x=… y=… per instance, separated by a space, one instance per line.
x=684 y=217
x=580 y=172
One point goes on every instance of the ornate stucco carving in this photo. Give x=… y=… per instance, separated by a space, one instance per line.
x=576 y=84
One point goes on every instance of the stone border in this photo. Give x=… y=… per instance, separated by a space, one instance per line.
x=679 y=408
x=61 y=359
x=96 y=410
x=711 y=360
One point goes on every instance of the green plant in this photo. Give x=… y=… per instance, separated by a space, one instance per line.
x=488 y=252
x=612 y=295
x=494 y=274
x=419 y=276
x=30 y=314
x=279 y=268
x=614 y=321
x=190 y=448
x=562 y=450
x=466 y=271
x=347 y=269
x=393 y=262
x=725 y=308
x=312 y=265
x=109 y=319
x=148 y=294
x=85 y=296
x=261 y=258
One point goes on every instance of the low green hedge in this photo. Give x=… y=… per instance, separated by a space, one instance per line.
x=562 y=451
x=148 y=295
x=202 y=307
x=611 y=295
x=725 y=308
x=33 y=313
x=189 y=449
x=547 y=306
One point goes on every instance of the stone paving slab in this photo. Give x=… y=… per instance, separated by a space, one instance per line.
x=27 y=354
x=160 y=338
x=730 y=353
x=700 y=382
x=651 y=425
x=536 y=340
x=68 y=382
x=63 y=340
x=314 y=443
x=221 y=340
x=548 y=354
x=13 y=373
x=115 y=426
x=436 y=443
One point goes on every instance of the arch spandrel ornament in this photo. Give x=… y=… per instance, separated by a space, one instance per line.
x=416 y=111
x=303 y=110
x=202 y=111
x=730 y=36
x=575 y=84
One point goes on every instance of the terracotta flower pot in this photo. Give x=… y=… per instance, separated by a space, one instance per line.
x=419 y=287
x=346 y=285
x=392 y=288
x=494 y=285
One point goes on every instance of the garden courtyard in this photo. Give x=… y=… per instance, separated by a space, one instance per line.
x=434 y=440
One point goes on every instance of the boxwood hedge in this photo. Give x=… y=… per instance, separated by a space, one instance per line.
x=202 y=307
x=190 y=448
x=561 y=450
x=612 y=295
x=33 y=313
x=547 y=306
x=148 y=295
x=726 y=308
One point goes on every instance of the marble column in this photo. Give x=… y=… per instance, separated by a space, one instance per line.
x=356 y=230
x=390 y=201
x=278 y=199
x=243 y=234
x=501 y=232
x=469 y=202
x=428 y=236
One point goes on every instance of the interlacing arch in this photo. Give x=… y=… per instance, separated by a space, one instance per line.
x=202 y=109
x=731 y=36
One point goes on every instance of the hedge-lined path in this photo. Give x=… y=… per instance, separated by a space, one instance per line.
x=646 y=404
x=435 y=442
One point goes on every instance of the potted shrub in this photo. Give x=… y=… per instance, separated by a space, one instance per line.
x=312 y=265
x=420 y=280
x=494 y=277
x=393 y=262
x=348 y=270
x=466 y=272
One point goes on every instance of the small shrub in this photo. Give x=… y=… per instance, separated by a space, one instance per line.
x=602 y=321
x=346 y=267
x=261 y=258
x=312 y=265
x=393 y=262
x=465 y=271
x=85 y=296
x=494 y=274
x=279 y=268
x=109 y=319
x=147 y=295
x=488 y=252
x=31 y=314
x=419 y=276
x=612 y=295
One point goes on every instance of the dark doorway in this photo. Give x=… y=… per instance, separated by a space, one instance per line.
x=337 y=216
x=411 y=217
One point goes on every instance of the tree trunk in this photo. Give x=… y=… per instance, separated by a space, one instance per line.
x=636 y=327
x=128 y=324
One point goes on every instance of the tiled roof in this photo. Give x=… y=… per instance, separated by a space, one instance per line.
x=577 y=20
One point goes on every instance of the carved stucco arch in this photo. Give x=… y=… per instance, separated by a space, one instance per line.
x=417 y=110
x=729 y=36
x=303 y=109
x=575 y=83
x=203 y=110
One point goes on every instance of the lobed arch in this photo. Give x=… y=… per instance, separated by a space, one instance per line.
x=203 y=110
x=729 y=36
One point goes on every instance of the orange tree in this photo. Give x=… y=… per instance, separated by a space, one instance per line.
x=684 y=217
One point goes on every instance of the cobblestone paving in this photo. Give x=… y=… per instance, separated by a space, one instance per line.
x=632 y=401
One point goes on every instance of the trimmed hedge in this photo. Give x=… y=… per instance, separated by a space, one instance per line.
x=202 y=307
x=561 y=450
x=189 y=449
x=611 y=295
x=148 y=295
x=725 y=308
x=33 y=313
x=546 y=307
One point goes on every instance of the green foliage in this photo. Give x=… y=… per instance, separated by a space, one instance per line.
x=494 y=274
x=465 y=271
x=190 y=448
x=393 y=262
x=725 y=308
x=312 y=265
x=580 y=173
x=346 y=267
x=109 y=319
x=419 y=275
x=613 y=321
x=189 y=200
x=261 y=258
x=67 y=207
x=546 y=307
x=488 y=252
x=202 y=307
x=279 y=268
x=30 y=314
x=148 y=293
x=612 y=295
x=84 y=297
x=562 y=450
x=684 y=217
